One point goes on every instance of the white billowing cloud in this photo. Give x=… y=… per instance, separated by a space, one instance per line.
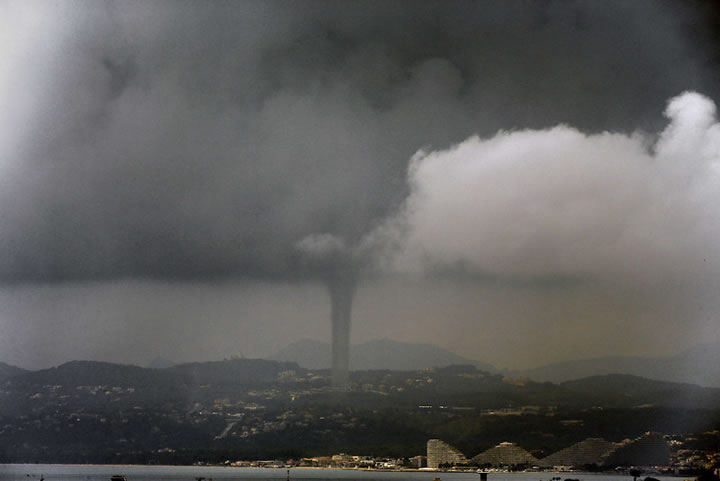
x=537 y=204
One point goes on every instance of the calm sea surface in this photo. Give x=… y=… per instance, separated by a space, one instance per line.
x=54 y=472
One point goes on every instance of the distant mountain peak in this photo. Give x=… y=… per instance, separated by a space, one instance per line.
x=376 y=354
x=699 y=365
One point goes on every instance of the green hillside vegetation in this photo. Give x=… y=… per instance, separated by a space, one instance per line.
x=86 y=411
x=7 y=371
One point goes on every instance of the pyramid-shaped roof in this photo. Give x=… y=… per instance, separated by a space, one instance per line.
x=589 y=451
x=650 y=449
x=504 y=454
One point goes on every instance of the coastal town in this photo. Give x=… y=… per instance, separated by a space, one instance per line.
x=244 y=412
x=651 y=453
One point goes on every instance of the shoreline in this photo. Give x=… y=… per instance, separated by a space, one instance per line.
x=332 y=468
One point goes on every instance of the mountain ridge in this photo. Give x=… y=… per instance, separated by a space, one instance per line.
x=699 y=364
x=130 y=412
x=8 y=371
x=377 y=354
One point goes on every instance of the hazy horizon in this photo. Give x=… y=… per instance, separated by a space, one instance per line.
x=228 y=338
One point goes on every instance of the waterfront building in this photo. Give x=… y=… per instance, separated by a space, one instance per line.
x=441 y=453
x=591 y=451
x=505 y=454
x=418 y=461
x=650 y=449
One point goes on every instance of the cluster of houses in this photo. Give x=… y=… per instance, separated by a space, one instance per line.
x=649 y=450
x=341 y=460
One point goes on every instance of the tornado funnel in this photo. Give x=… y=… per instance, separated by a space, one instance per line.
x=341 y=296
x=338 y=266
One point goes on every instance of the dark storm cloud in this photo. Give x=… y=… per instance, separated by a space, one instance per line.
x=200 y=140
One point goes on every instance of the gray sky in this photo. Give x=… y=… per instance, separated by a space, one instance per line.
x=161 y=161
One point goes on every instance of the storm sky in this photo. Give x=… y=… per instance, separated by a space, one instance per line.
x=529 y=181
